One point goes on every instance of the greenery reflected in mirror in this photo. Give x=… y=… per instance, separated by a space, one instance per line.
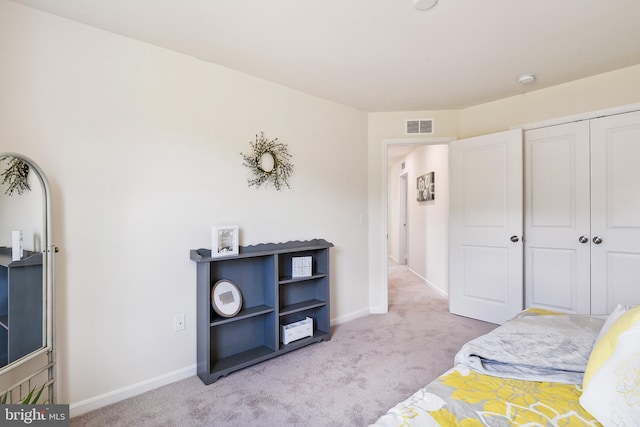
x=23 y=284
x=16 y=176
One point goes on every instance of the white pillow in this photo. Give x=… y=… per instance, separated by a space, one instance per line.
x=612 y=395
x=617 y=312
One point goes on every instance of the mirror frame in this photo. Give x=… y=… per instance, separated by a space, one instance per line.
x=47 y=273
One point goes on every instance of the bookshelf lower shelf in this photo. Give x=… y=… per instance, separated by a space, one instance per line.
x=317 y=337
x=226 y=365
x=301 y=306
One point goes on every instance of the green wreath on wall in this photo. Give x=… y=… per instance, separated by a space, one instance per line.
x=16 y=176
x=269 y=162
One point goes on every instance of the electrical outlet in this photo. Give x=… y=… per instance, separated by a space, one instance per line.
x=178 y=324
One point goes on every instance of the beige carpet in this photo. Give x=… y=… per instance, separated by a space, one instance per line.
x=369 y=365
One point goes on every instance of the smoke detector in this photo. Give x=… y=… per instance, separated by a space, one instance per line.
x=525 y=79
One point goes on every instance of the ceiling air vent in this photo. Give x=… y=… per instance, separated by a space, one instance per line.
x=419 y=126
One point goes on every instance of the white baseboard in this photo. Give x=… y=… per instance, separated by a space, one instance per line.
x=97 y=402
x=432 y=286
x=350 y=316
x=379 y=310
x=439 y=291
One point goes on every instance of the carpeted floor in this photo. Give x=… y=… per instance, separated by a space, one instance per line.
x=369 y=365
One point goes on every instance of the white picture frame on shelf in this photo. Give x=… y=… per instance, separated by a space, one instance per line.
x=224 y=241
x=301 y=266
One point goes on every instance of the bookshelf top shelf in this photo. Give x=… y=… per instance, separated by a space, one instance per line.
x=263 y=249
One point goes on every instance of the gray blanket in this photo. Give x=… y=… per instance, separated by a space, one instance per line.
x=535 y=348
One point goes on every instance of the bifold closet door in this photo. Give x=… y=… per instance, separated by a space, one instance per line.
x=557 y=218
x=582 y=215
x=615 y=211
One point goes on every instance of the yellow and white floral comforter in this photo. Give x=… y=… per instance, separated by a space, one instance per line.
x=466 y=398
x=526 y=372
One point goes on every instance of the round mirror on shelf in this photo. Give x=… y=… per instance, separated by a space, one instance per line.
x=26 y=282
x=226 y=298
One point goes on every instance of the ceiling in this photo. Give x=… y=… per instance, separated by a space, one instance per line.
x=384 y=55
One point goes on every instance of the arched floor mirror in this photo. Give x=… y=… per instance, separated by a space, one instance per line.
x=27 y=356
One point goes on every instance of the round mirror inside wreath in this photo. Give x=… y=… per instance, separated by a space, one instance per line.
x=267 y=162
x=226 y=298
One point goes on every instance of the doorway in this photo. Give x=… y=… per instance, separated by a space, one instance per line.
x=414 y=241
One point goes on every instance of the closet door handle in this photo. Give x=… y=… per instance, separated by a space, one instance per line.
x=597 y=240
x=582 y=239
x=514 y=239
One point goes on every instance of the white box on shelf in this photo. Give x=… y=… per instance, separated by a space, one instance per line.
x=297 y=330
x=17 y=252
x=301 y=266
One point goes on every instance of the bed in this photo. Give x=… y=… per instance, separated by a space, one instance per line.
x=539 y=369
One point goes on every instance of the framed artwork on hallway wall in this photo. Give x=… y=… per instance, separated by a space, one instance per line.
x=426 y=187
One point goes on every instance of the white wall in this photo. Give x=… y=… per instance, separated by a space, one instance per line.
x=431 y=219
x=427 y=222
x=141 y=147
x=620 y=87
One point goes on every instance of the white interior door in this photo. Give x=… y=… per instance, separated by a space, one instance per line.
x=615 y=212
x=557 y=218
x=403 y=219
x=486 y=196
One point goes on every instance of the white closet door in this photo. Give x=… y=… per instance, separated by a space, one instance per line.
x=557 y=218
x=486 y=211
x=615 y=222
